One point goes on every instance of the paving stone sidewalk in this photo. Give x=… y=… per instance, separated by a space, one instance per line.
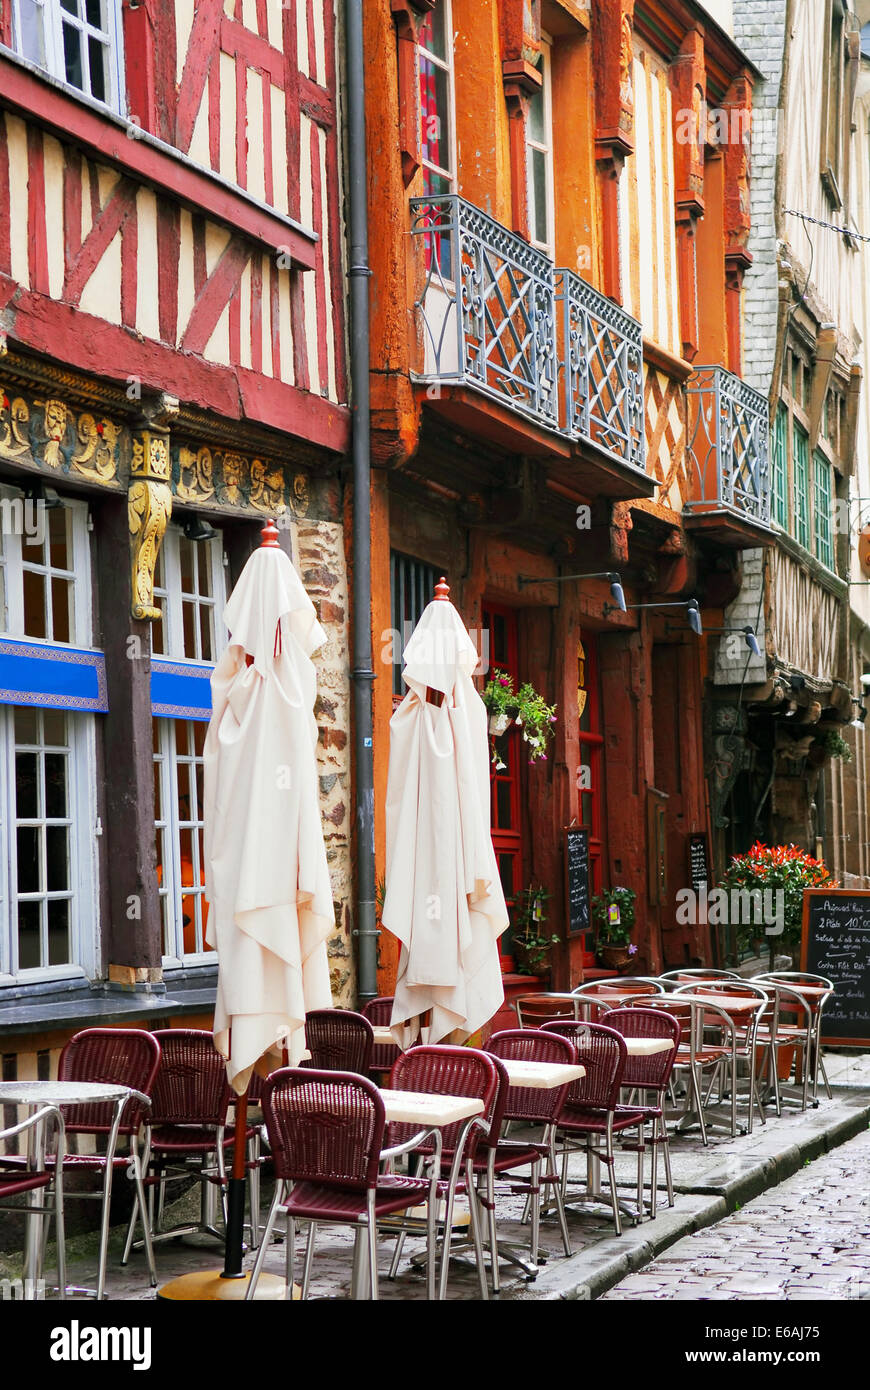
x=808 y=1238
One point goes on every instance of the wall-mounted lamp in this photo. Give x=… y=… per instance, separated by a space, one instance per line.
x=615 y=585
x=45 y=496
x=861 y=715
x=198 y=529
x=693 y=612
x=749 y=637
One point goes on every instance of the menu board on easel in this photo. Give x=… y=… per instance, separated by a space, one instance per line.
x=577 y=878
x=835 y=943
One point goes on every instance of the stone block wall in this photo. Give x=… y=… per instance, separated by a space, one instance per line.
x=319 y=551
x=747 y=610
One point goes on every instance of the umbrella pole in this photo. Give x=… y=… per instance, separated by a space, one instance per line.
x=234 y=1249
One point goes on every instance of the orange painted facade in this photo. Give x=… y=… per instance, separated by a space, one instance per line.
x=549 y=162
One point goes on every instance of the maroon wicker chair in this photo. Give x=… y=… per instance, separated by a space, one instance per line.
x=339 y=1040
x=650 y=1074
x=189 y=1102
x=452 y=1071
x=119 y=1057
x=530 y=1107
x=591 y=1111
x=18 y=1178
x=379 y=1012
x=326 y=1132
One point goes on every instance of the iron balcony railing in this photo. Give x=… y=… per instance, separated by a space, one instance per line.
x=489 y=316
x=602 y=366
x=728 y=445
x=487 y=308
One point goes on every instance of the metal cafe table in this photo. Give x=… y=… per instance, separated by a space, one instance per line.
x=34 y=1094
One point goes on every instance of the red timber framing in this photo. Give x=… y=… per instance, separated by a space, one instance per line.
x=207 y=261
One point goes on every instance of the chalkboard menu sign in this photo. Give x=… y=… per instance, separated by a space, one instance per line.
x=699 y=874
x=577 y=878
x=836 y=943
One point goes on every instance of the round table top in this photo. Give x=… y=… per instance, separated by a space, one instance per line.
x=59 y=1092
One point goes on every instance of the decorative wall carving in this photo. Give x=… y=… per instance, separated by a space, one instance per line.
x=149 y=507
x=59 y=437
x=223 y=478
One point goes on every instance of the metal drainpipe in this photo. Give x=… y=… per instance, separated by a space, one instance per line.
x=362 y=673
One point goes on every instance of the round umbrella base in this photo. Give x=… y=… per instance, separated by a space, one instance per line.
x=207 y=1286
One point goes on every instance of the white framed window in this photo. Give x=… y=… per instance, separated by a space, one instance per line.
x=437 y=109
x=539 y=158
x=48 y=872
x=46 y=573
x=77 y=41
x=190 y=592
x=178 y=823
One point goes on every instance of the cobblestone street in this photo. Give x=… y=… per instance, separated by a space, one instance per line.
x=808 y=1238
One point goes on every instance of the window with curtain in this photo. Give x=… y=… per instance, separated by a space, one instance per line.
x=435 y=41
x=539 y=158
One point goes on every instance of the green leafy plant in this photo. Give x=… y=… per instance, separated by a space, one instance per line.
x=526 y=708
x=775 y=868
x=834 y=745
x=614 y=933
x=531 y=943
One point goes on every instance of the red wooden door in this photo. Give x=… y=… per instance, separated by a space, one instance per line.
x=501 y=624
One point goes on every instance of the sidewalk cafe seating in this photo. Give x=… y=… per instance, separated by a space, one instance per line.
x=439 y=1069
x=818 y=991
x=379 y=1012
x=533 y=1010
x=326 y=1133
x=121 y=1057
x=498 y=1156
x=645 y=1076
x=689 y=975
x=19 y=1177
x=591 y=1113
x=745 y=1004
x=187 y=1126
x=697 y=1055
x=339 y=1040
x=621 y=986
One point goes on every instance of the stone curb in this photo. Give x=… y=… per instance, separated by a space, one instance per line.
x=589 y=1274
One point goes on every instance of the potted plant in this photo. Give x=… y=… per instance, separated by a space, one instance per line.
x=613 y=912
x=525 y=707
x=531 y=943
x=773 y=869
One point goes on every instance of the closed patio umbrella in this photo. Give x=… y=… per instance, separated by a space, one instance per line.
x=443 y=899
x=266 y=875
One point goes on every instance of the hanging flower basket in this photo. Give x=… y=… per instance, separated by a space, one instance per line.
x=525 y=707
x=499 y=724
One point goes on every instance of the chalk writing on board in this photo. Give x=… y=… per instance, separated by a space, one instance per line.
x=577 y=878
x=836 y=945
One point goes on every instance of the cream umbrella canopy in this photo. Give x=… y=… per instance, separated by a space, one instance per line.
x=443 y=898
x=266 y=875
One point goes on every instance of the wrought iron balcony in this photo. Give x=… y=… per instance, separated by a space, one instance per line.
x=728 y=465
x=602 y=366
x=487 y=308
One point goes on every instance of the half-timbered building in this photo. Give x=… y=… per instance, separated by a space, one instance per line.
x=789 y=764
x=172 y=372
x=560 y=216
